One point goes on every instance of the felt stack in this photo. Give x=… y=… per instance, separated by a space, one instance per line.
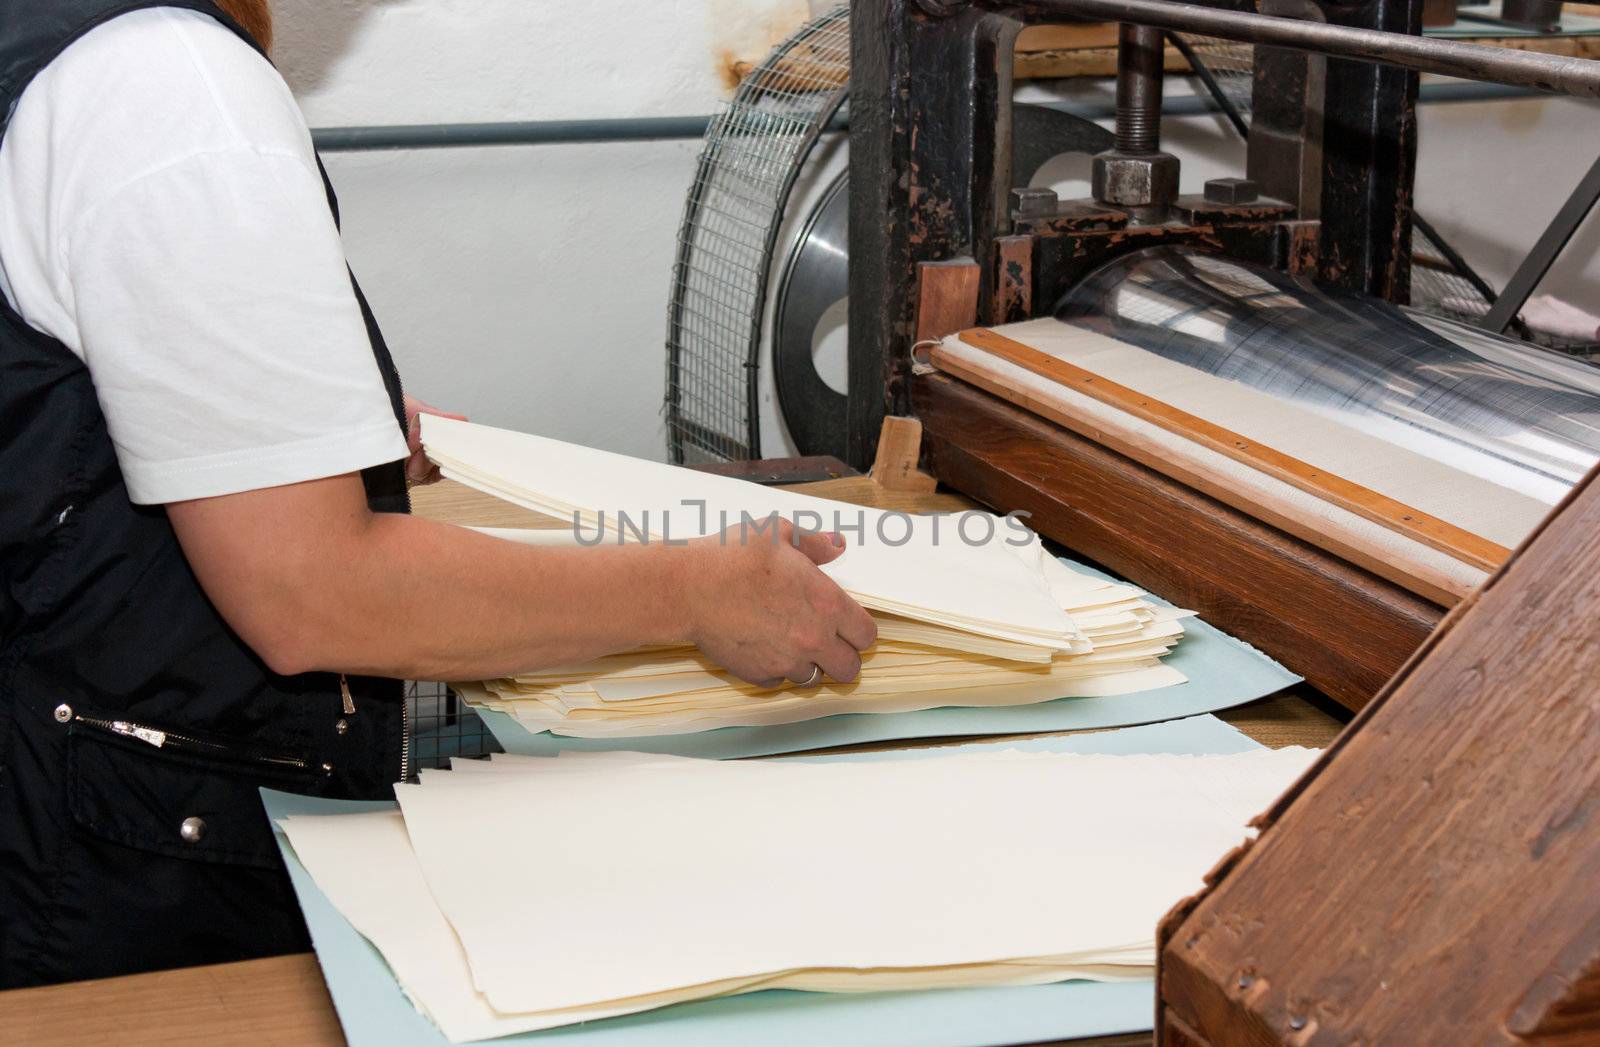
x=971 y=611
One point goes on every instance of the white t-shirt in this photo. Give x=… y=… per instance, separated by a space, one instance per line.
x=161 y=214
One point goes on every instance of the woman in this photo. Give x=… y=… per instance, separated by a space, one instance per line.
x=208 y=580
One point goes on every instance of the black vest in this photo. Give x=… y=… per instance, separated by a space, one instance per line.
x=135 y=727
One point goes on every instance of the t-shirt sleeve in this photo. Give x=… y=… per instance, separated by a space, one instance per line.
x=218 y=321
x=162 y=214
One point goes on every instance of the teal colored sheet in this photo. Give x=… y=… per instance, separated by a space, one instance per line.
x=1222 y=672
x=375 y=1013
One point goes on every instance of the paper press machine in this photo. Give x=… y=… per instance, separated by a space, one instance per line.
x=1220 y=396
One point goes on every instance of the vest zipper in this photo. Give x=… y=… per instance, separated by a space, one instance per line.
x=405 y=495
x=177 y=742
x=405 y=724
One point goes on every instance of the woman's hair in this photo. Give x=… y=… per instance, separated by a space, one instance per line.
x=254 y=15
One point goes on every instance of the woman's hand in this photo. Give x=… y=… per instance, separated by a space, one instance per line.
x=760 y=608
x=418 y=469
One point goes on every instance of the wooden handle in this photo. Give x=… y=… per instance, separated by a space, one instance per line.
x=899 y=446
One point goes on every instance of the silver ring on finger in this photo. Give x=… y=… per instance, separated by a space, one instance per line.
x=816 y=674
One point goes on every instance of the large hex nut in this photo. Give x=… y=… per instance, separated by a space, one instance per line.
x=1135 y=181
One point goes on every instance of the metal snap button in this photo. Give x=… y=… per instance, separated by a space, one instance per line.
x=192 y=830
x=63 y=713
x=341 y=726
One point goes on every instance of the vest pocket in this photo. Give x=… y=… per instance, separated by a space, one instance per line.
x=177 y=794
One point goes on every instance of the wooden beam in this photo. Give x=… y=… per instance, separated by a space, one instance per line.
x=947 y=297
x=1432 y=878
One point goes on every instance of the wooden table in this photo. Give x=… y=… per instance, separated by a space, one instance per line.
x=282 y=1000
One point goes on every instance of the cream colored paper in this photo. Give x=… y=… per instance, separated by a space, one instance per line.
x=937 y=863
x=897 y=565
x=529 y=871
x=998 y=623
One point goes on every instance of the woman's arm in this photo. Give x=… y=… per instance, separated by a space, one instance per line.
x=311 y=579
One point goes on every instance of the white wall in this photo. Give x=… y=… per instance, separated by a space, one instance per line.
x=527 y=285
x=1491 y=175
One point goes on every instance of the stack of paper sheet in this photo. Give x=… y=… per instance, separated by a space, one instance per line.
x=970 y=611
x=532 y=892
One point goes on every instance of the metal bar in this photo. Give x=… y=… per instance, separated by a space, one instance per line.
x=1558 y=74
x=1461 y=266
x=523 y=132
x=1544 y=253
x=1139 y=82
x=1203 y=71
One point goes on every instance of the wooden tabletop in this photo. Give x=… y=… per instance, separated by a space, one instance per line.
x=283 y=1001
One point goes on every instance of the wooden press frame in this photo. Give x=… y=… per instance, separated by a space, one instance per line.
x=1432 y=878
x=936 y=250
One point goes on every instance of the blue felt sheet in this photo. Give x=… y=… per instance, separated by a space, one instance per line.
x=1222 y=672
x=375 y=1013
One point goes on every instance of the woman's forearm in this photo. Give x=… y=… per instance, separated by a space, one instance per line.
x=311 y=579
x=456 y=604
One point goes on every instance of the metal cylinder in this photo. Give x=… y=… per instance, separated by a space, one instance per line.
x=1139 y=79
x=1521 y=417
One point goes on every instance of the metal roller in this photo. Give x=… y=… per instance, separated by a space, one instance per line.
x=1523 y=417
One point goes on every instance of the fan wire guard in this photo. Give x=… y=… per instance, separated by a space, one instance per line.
x=442 y=726
x=752 y=154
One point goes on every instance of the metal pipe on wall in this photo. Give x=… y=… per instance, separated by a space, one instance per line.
x=678 y=128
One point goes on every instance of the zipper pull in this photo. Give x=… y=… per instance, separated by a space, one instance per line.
x=344 y=693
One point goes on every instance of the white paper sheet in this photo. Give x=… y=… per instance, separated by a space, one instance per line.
x=580 y=888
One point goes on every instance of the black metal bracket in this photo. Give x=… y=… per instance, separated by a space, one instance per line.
x=1545 y=251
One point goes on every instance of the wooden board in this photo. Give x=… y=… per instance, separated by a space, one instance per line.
x=1443 y=857
x=1344 y=629
x=947 y=297
x=1388 y=563
x=277 y=1002
x=1363 y=501
x=772 y=471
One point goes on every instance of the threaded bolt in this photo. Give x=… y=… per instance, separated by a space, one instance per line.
x=1139 y=83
